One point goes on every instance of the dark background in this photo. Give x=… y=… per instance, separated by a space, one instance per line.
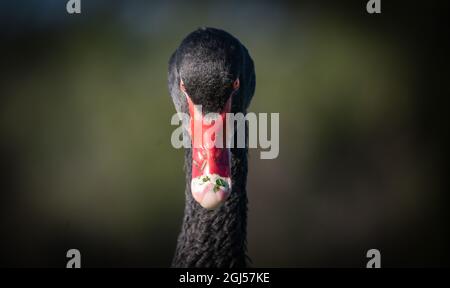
x=86 y=159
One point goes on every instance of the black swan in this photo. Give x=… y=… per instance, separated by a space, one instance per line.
x=213 y=69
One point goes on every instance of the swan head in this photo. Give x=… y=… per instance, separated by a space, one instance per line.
x=209 y=63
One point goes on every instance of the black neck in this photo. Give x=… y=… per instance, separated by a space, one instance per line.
x=215 y=238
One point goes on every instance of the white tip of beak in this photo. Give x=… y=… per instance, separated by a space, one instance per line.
x=208 y=193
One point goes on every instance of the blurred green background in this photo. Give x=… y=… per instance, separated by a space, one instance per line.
x=85 y=127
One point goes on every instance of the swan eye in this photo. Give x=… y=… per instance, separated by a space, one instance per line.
x=236 y=84
x=182 y=87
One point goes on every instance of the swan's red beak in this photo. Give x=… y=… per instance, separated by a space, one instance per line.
x=211 y=167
